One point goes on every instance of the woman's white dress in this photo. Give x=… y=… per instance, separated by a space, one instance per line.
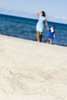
x=40 y=24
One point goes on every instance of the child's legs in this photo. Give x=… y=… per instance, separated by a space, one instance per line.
x=49 y=41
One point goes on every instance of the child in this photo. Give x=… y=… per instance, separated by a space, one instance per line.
x=51 y=33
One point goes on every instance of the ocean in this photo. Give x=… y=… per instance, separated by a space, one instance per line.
x=25 y=28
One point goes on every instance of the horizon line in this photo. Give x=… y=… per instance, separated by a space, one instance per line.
x=30 y=16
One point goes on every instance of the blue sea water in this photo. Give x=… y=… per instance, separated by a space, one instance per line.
x=26 y=28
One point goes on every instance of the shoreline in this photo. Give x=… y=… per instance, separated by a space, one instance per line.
x=16 y=37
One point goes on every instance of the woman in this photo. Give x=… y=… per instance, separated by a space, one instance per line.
x=40 y=25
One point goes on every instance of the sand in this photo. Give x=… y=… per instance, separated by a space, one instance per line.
x=32 y=70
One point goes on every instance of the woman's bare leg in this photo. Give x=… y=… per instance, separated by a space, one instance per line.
x=39 y=36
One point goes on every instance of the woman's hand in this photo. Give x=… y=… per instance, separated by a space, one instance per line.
x=38 y=14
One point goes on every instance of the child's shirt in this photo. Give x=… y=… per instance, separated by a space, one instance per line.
x=51 y=33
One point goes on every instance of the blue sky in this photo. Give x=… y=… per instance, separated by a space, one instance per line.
x=56 y=10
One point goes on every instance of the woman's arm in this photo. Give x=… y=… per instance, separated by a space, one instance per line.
x=38 y=14
x=46 y=23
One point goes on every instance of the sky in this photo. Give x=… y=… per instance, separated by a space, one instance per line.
x=56 y=10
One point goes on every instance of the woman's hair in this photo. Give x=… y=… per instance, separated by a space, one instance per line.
x=43 y=14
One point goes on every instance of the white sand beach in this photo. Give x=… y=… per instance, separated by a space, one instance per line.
x=31 y=70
